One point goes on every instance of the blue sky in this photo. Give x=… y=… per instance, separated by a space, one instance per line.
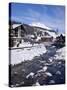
x=50 y=15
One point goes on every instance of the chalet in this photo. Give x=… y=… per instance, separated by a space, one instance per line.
x=45 y=32
x=19 y=31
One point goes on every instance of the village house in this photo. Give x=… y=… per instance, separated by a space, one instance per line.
x=45 y=34
x=17 y=32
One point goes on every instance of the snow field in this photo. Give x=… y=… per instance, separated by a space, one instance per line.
x=18 y=56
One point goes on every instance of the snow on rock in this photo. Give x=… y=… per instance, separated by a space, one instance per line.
x=18 y=56
x=59 y=62
x=51 y=59
x=40 y=71
x=44 y=68
x=48 y=74
x=31 y=74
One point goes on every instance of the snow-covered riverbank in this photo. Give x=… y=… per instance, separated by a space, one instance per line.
x=46 y=69
x=18 y=56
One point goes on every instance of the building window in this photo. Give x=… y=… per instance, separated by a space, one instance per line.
x=16 y=32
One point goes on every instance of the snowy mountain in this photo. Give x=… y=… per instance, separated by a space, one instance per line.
x=41 y=25
x=50 y=31
x=38 y=24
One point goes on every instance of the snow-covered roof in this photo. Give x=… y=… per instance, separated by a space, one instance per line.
x=15 y=25
x=28 y=28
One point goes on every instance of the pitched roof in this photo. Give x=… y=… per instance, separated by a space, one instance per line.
x=15 y=25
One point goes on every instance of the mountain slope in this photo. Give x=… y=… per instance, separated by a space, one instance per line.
x=38 y=24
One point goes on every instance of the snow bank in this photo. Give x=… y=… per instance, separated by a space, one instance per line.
x=36 y=84
x=48 y=74
x=25 y=54
x=60 y=54
x=25 y=44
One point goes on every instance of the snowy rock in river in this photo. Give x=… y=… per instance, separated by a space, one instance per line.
x=44 y=68
x=50 y=59
x=48 y=74
x=31 y=74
